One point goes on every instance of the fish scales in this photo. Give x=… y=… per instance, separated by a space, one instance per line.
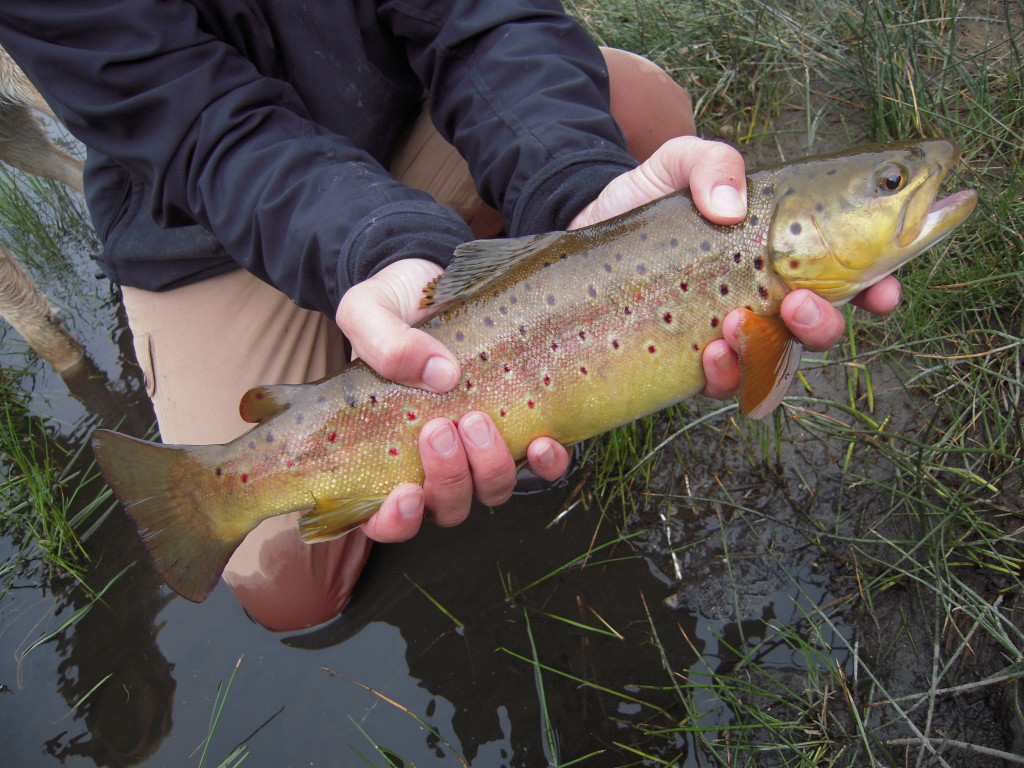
x=564 y=335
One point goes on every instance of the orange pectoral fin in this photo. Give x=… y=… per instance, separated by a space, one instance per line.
x=769 y=358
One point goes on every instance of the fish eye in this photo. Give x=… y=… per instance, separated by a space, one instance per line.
x=891 y=177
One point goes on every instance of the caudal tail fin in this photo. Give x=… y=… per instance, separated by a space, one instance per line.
x=186 y=548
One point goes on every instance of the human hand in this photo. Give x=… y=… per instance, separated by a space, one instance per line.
x=459 y=460
x=714 y=173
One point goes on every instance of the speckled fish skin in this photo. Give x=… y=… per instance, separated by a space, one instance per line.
x=583 y=331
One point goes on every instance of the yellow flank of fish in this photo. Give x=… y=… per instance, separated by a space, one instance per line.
x=565 y=334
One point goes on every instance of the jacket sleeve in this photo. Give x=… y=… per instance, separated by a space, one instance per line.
x=521 y=90
x=220 y=145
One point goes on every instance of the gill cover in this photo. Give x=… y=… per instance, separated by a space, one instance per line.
x=844 y=221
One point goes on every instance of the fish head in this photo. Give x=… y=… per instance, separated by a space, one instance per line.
x=842 y=222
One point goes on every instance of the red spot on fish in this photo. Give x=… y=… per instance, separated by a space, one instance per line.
x=530 y=403
x=628 y=311
x=373 y=399
x=794 y=264
x=696 y=347
x=469 y=384
x=332 y=437
x=547 y=381
x=583 y=335
x=289 y=463
x=392 y=451
x=506 y=367
x=503 y=412
x=583 y=370
x=244 y=477
x=714 y=322
x=410 y=416
x=651 y=348
x=667 y=317
x=615 y=343
x=554 y=345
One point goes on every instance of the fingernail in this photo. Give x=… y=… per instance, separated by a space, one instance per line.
x=545 y=455
x=727 y=201
x=725 y=360
x=439 y=374
x=442 y=440
x=409 y=505
x=808 y=313
x=476 y=429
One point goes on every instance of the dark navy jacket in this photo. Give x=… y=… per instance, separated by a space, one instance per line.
x=256 y=132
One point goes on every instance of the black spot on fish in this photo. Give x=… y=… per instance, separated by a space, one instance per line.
x=350 y=402
x=583 y=335
x=667 y=317
x=615 y=343
x=607 y=267
x=762 y=292
x=696 y=347
x=522 y=330
x=758 y=262
x=643 y=235
x=641 y=269
x=503 y=309
x=705 y=246
x=753 y=220
x=795 y=228
x=819 y=207
x=460 y=336
x=551 y=300
x=794 y=264
x=270 y=437
x=673 y=243
x=684 y=287
x=513 y=300
x=563 y=256
x=218 y=471
x=737 y=256
x=252 y=445
x=768 y=191
x=488 y=322
x=831 y=172
x=483 y=356
x=373 y=399
x=789 y=192
x=592 y=292
x=714 y=322
x=618 y=257
x=723 y=289
x=299 y=418
x=554 y=346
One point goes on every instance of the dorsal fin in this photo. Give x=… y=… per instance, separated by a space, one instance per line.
x=260 y=403
x=481 y=262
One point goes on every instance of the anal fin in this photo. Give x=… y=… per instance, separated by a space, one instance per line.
x=333 y=518
x=769 y=358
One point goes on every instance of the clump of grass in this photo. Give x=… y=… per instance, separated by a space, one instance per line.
x=48 y=496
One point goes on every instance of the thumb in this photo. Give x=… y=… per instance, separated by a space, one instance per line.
x=376 y=317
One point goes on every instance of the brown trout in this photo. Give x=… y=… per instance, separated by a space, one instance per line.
x=565 y=334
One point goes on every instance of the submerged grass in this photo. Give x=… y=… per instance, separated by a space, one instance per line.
x=899 y=456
